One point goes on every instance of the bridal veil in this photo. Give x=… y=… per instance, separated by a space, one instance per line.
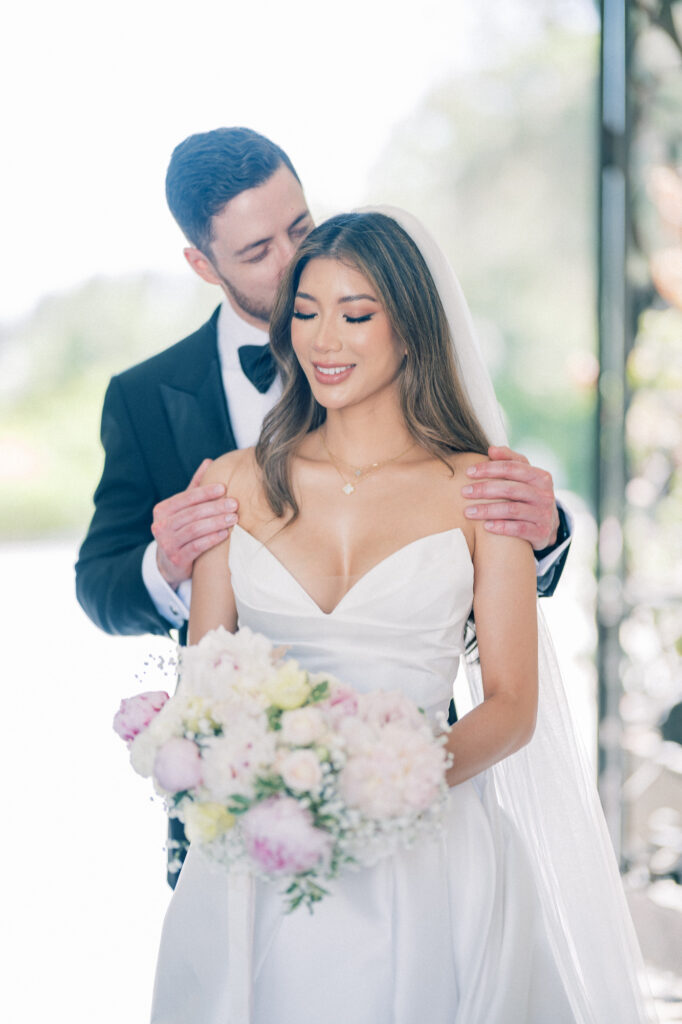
x=547 y=788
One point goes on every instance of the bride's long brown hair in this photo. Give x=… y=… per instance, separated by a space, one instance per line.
x=437 y=412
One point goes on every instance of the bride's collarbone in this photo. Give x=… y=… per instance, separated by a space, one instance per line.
x=338 y=537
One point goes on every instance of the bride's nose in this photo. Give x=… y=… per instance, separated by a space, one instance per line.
x=327 y=336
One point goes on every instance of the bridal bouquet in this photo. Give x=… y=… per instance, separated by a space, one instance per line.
x=288 y=775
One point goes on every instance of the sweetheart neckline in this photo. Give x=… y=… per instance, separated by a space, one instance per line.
x=360 y=579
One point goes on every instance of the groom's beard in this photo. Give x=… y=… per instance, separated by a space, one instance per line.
x=251 y=307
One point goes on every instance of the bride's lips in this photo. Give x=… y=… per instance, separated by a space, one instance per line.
x=332 y=373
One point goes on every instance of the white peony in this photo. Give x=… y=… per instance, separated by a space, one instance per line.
x=231 y=763
x=143 y=751
x=223 y=660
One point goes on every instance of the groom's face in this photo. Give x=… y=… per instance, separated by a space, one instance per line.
x=255 y=236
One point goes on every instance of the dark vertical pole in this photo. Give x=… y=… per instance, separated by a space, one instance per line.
x=613 y=346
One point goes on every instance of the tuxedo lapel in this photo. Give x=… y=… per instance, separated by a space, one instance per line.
x=195 y=404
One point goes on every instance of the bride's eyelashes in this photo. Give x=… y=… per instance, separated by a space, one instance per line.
x=349 y=319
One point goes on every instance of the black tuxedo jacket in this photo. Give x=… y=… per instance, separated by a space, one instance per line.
x=160 y=419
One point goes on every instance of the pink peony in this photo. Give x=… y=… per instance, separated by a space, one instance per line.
x=281 y=838
x=177 y=765
x=371 y=782
x=341 y=702
x=382 y=708
x=135 y=713
x=401 y=774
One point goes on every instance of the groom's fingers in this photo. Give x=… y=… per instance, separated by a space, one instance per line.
x=196 y=479
x=195 y=530
x=510 y=469
x=523 y=498
x=511 y=490
x=192 y=497
x=196 y=544
x=196 y=504
x=189 y=523
x=516 y=519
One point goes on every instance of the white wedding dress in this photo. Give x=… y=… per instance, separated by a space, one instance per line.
x=448 y=932
x=515 y=915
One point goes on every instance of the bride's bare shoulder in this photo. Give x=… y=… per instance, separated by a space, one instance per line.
x=237 y=470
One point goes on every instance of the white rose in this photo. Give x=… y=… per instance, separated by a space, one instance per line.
x=302 y=727
x=301 y=771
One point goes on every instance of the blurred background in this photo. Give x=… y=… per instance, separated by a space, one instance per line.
x=541 y=141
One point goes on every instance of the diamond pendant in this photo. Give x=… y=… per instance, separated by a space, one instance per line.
x=348 y=489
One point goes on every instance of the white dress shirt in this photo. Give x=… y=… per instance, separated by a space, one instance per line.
x=247 y=408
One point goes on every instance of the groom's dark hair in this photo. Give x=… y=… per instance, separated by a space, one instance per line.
x=209 y=169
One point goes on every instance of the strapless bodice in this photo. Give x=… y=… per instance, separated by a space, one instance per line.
x=399 y=627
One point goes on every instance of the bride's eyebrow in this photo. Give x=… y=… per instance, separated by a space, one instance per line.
x=345 y=298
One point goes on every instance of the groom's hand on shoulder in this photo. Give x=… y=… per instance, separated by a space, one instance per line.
x=522 y=498
x=189 y=523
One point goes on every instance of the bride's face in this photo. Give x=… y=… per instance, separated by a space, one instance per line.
x=342 y=335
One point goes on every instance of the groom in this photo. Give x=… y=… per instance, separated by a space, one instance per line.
x=240 y=204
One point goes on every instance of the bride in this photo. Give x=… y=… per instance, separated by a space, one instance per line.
x=354 y=551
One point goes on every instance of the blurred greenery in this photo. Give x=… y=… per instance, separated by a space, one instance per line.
x=54 y=369
x=654 y=419
x=499 y=162
x=501 y=165
x=651 y=631
x=654 y=432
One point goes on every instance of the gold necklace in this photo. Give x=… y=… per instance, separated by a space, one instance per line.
x=360 y=473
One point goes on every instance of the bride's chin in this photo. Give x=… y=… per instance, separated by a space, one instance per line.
x=327 y=402
x=325 y=397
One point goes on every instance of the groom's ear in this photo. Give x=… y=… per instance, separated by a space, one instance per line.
x=201 y=265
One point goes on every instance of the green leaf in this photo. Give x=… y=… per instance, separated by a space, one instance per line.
x=238 y=804
x=274 y=718
x=319 y=692
x=177 y=798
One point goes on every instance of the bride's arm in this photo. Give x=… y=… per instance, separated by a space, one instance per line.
x=506 y=630
x=213 y=602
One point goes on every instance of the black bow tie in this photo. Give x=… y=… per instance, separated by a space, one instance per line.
x=258 y=364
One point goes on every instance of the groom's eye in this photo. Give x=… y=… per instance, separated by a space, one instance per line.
x=258 y=257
